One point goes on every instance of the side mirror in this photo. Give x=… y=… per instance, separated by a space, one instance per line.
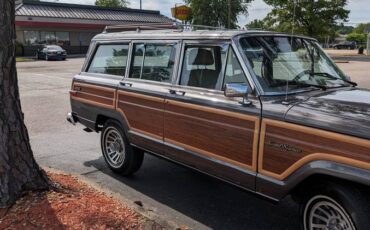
x=238 y=90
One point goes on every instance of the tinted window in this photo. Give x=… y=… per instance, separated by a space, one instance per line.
x=234 y=72
x=203 y=66
x=110 y=59
x=153 y=62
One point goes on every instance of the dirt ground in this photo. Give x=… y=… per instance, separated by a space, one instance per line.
x=77 y=206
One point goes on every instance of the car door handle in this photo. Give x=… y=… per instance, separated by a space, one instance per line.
x=177 y=92
x=125 y=84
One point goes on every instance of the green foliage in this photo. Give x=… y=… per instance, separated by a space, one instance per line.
x=342 y=29
x=360 y=38
x=314 y=18
x=361 y=28
x=111 y=3
x=257 y=24
x=220 y=13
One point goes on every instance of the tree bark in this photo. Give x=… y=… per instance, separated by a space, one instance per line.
x=19 y=171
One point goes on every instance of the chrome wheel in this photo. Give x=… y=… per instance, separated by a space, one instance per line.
x=114 y=147
x=324 y=213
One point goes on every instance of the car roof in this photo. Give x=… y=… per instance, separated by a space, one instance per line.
x=185 y=34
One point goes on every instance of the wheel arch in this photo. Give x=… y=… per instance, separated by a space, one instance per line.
x=309 y=174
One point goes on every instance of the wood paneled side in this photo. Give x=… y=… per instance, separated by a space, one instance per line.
x=285 y=147
x=93 y=94
x=228 y=136
x=143 y=114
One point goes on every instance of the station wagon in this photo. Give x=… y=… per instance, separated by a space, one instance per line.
x=267 y=112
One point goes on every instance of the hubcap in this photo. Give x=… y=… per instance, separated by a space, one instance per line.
x=323 y=213
x=114 y=148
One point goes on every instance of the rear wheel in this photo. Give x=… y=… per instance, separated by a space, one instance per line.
x=120 y=156
x=335 y=206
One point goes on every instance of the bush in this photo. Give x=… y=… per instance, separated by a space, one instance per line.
x=19 y=49
x=360 y=38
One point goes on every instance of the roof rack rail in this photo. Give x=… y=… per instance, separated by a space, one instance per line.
x=139 y=27
x=156 y=26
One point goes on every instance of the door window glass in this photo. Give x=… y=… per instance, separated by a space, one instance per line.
x=234 y=72
x=203 y=66
x=153 y=62
x=110 y=59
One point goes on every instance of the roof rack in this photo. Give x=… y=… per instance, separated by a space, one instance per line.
x=139 y=27
x=156 y=26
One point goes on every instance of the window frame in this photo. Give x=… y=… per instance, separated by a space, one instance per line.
x=93 y=53
x=208 y=42
x=177 y=44
x=251 y=75
x=231 y=49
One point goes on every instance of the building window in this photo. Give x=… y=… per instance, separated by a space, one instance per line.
x=62 y=38
x=48 y=38
x=31 y=37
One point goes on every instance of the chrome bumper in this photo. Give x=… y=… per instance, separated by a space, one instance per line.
x=71 y=119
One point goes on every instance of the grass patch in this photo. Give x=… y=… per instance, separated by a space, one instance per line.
x=21 y=59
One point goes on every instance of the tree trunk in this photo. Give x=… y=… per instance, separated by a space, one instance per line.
x=19 y=171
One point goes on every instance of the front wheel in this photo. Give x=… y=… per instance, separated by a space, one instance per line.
x=336 y=206
x=120 y=156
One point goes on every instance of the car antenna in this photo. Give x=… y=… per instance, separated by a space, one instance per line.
x=285 y=102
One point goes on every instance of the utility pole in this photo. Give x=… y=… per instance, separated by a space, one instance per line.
x=141 y=5
x=229 y=16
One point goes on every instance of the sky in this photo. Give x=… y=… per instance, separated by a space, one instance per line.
x=360 y=9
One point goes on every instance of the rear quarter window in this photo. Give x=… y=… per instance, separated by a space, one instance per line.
x=110 y=59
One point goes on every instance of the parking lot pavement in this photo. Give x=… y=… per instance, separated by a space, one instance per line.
x=166 y=190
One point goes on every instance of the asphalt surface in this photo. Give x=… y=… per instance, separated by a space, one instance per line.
x=171 y=192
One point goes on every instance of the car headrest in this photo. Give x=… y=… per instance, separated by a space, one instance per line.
x=202 y=57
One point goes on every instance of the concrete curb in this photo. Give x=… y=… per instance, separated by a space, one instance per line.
x=150 y=220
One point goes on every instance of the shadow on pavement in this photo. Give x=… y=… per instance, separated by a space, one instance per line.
x=207 y=200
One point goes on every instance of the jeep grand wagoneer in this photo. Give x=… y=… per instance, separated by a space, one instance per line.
x=267 y=112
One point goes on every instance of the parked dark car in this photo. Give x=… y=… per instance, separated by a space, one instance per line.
x=349 y=45
x=51 y=52
x=267 y=112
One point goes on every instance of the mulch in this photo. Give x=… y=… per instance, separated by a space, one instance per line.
x=76 y=206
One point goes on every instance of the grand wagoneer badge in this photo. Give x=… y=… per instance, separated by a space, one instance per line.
x=284 y=147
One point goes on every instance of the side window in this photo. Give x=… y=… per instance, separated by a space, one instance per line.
x=203 y=65
x=152 y=61
x=110 y=59
x=234 y=72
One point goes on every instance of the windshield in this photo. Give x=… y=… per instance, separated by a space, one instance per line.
x=287 y=64
x=58 y=48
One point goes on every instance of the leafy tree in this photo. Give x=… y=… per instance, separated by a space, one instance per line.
x=111 y=3
x=360 y=38
x=18 y=169
x=257 y=24
x=315 y=18
x=359 y=34
x=220 y=13
x=362 y=27
x=342 y=29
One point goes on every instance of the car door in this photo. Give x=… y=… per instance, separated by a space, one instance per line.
x=203 y=128
x=141 y=95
